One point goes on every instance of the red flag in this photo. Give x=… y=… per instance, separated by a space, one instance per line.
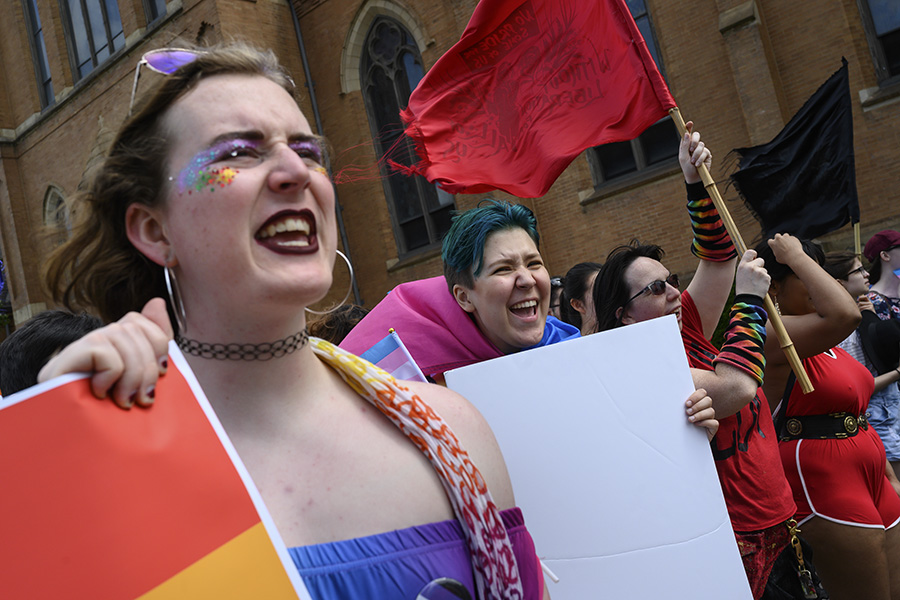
x=529 y=86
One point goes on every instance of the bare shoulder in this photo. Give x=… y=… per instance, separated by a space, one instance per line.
x=474 y=435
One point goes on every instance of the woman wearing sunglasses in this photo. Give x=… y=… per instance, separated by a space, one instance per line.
x=216 y=188
x=847 y=503
x=634 y=286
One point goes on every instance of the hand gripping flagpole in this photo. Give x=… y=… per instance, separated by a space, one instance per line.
x=774 y=318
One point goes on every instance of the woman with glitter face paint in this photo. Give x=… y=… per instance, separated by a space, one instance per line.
x=216 y=184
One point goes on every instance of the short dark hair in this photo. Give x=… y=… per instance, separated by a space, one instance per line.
x=839 y=263
x=25 y=352
x=611 y=290
x=463 y=246
x=575 y=285
x=778 y=271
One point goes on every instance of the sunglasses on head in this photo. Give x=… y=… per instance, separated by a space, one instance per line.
x=165 y=61
x=556 y=282
x=657 y=288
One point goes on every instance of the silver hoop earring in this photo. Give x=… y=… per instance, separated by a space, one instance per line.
x=175 y=299
x=347 y=295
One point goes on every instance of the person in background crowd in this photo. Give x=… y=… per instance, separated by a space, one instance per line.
x=556 y=287
x=25 y=352
x=883 y=252
x=578 y=298
x=845 y=490
x=334 y=326
x=634 y=286
x=875 y=344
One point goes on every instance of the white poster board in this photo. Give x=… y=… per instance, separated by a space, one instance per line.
x=619 y=491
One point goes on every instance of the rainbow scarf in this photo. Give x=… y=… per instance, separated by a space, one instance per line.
x=493 y=561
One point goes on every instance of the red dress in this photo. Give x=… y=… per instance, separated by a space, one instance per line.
x=842 y=480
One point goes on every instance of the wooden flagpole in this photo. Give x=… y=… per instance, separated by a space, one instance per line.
x=774 y=318
x=857 y=247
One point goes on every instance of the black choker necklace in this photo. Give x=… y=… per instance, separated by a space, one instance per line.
x=266 y=351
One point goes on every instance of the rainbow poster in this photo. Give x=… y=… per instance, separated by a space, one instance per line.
x=98 y=502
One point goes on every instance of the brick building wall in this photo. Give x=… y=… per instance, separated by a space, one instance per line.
x=739 y=70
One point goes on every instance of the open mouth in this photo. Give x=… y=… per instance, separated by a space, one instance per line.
x=525 y=309
x=289 y=232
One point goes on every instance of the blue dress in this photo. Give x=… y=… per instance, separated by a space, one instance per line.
x=396 y=565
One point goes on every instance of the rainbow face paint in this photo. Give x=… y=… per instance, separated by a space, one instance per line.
x=198 y=175
x=201 y=174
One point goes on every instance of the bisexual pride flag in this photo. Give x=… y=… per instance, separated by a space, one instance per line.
x=98 y=502
x=391 y=355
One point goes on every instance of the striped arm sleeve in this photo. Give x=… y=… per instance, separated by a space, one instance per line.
x=711 y=239
x=745 y=337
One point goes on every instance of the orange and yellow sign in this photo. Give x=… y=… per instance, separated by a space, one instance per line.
x=98 y=502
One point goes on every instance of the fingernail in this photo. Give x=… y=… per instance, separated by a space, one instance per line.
x=131 y=399
x=163 y=363
x=151 y=393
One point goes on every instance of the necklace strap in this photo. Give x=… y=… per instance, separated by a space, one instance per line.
x=264 y=351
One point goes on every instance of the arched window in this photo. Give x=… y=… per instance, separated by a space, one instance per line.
x=390 y=69
x=56 y=215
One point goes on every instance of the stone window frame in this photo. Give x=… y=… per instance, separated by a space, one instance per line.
x=113 y=34
x=56 y=217
x=608 y=179
x=39 y=53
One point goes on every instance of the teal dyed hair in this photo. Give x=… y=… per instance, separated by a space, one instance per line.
x=463 y=247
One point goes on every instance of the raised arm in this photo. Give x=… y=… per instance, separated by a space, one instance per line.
x=738 y=368
x=711 y=284
x=834 y=315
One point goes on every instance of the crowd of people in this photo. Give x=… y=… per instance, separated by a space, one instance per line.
x=157 y=256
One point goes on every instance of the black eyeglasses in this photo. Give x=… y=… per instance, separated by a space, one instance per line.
x=657 y=288
x=859 y=269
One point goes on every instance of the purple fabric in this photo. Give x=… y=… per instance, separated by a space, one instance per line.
x=438 y=333
x=398 y=564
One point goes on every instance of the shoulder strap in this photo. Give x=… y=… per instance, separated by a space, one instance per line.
x=785 y=398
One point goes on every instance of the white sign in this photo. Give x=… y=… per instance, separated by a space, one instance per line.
x=619 y=491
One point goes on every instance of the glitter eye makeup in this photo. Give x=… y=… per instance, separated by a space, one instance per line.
x=308 y=150
x=198 y=175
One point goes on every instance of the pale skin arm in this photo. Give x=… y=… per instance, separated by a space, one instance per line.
x=729 y=387
x=125 y=358
x=886 y=379
x=711 y=284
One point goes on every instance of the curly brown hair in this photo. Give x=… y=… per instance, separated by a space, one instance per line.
x=98 y=268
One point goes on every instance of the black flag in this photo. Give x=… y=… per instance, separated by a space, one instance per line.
x=803 y=182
